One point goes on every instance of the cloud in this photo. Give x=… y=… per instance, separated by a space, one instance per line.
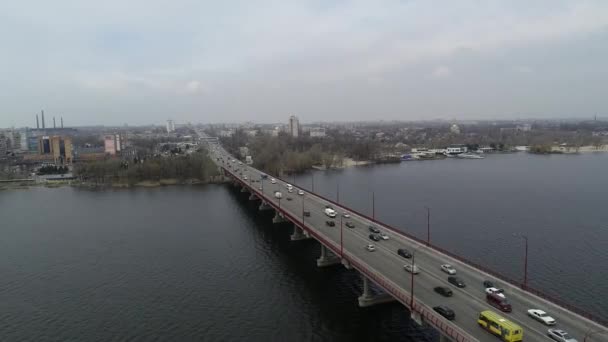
x=441 y=72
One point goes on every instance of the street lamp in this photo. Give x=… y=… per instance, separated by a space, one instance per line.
x=303 y=196
x=591 y=333
x=412 y=278
x=341 y=238
x=428 y=226
x=525 y=284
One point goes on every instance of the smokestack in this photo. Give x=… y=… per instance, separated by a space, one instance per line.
x=54 y=126
x=37 y=122
x=43 y=125
x=62 y=122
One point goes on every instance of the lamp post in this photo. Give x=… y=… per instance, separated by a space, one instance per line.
x=591 y=333
x=525 y=283
x=374 y=205
x=341 y=238
x=428 y=226
x=303 y=196
x=412 y=278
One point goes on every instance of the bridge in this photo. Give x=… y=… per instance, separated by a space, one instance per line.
x=384 y=267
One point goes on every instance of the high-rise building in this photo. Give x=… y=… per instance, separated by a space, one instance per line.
x=60 y=147
x=113 y=143
x=294 y=126
x=170 y=126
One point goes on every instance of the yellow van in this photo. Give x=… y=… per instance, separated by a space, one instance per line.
x=501 y=327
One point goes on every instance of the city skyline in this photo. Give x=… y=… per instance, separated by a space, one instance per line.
x=325 y=61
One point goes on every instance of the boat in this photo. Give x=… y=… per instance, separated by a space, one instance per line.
x=469 y=156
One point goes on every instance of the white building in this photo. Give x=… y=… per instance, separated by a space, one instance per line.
x=456 y=149
x=455 y=129
x=226 y=133
x=524 y=127
x=170 y=126
x=294 y=126
x=317 y=132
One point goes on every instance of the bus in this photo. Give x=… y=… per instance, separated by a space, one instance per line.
x=501 y=327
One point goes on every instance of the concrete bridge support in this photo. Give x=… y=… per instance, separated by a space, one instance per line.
x=299 y=234
x=327 y=258
x=278 y=218
x=367 y=298
x=264 y=206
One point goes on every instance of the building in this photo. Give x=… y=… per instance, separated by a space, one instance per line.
x=524 y=127
x=248 y=160
x=455 y=129
x=58 y=147
x=244 y=151
x=170 y=126
x=317 y=132
x=456 y=149
x=113 y=144
x=294 y=126
x=226 y=133
x=3 y=146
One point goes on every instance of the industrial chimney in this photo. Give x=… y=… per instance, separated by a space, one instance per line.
x=37 y=122
x=62 y=122
x=54 y=126
x=43 y=125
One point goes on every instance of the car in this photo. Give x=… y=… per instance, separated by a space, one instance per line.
x=370 y=248
x=541 y=316
x=412 y=269
x=499 y=302
x=278 y=194
x=350 y=224
x=383 y=236
x=288 y=186
x=330 y=223
x=447 y=268
x=456 y=281
x=346 y=215
x=374 y=237
x=306 y=213
x=290 y=190
x=374 y=229
x=260 y=188
x=289 y=198
x=498 y=292
x=444 y=291
x=404 y=253
x=445 y=312
x=240 y=163
x=560 y=335
x=245 y=177
x=273 y=181
x=487 y=283
x=300 y=192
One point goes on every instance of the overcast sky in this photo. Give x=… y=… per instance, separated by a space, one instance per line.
x=144 y=61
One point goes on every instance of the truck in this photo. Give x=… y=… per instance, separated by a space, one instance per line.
x=330 y=212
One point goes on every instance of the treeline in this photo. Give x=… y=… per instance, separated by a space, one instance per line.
x=196 y=166
x=52 y=170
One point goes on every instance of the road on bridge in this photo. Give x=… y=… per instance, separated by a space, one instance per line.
x=466 y=302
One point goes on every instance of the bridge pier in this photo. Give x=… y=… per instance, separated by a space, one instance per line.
x=367 y=298
x=278 y=218
x=253 y=197
x=416 y=317
x=327 y=258
x=264 y=206
x=244 y=189
x=299 y=234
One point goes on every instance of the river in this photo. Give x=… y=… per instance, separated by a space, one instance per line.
x=201 y=263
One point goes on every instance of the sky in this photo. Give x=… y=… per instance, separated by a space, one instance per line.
x=145 y=61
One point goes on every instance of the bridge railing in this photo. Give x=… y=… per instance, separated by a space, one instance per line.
x=390 y=287
x=539 y=293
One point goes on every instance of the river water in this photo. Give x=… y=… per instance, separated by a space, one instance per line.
x=201 y=263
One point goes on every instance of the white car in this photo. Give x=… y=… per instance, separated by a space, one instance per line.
x=383 y=236
x=273 y=181
x=447 y=268
x=278 y=194
x=245 y=177
x=346 y=215
x=412 y=269
x=541 y=316
x=496 y=291
x=370 y=248
x=560 y=335
x=300 y=192
x=288 y=186
x=290 y=190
